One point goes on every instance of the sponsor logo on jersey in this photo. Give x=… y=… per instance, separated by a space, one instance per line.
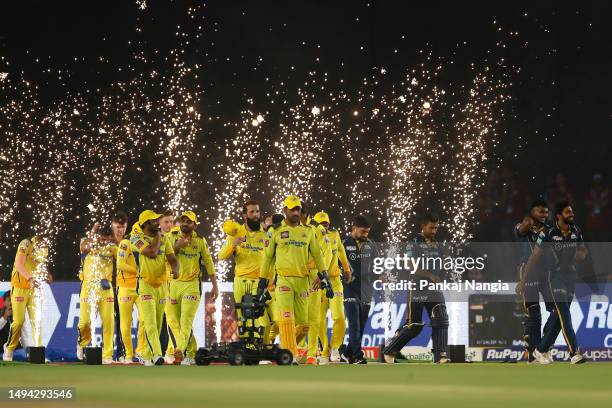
x=284 y=289
x=284 y=234
x=125 y=298
x=190 y=297
x=146 y=297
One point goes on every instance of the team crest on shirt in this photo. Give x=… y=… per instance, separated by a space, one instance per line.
x=284 y=234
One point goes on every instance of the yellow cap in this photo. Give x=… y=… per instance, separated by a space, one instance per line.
x=136 y=229
x=148 y=215
x=292 y=202
x=191 y=215
x=231 y=227
x=321 y=216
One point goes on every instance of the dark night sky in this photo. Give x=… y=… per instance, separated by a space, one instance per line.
x=568 y=46
x=561 y=102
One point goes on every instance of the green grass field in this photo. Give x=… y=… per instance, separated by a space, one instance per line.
x=400 y=385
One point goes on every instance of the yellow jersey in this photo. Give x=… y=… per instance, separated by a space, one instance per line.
x=151 y=270
x=291 y=246
x=34 y=257
x=338 y=254
x=98 y=263
x=192 y=257
x=127 y=271
x=248 y=255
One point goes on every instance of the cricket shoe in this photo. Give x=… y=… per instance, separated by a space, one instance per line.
x=549 y=357
x=578 y=359
x=360 y=360
x=311 y=361
x=139 y=359
x=345 y=358
x=389 y=358
x=157 y=360
x=8 y=355
x=107 y=361
x=178 y=356
x=334 y=356
x=443 y=359
x=295 y=361
x=323 y=360
x=79 y=353
x=168 y=359
x=540 y=357
x=187 y=361
x=265 y=362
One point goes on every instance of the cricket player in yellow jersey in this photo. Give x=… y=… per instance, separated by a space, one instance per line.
x=246 y=245
x=98 y=253
x=31 y=257
x=127 y=275
x=192 y=252
x=315 y=295
x=166 y=225
x=336 y=304
x=288 y=248
x=151 y=250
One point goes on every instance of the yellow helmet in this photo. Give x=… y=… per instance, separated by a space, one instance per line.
x=231 y=227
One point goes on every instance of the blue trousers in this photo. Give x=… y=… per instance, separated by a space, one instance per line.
x=357 y=315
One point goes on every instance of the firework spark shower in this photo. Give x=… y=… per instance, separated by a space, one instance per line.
x=166 y=114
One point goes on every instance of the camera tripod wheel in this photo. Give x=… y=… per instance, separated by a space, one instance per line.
x=202 y=357
x=236 y=357
x=284 y=357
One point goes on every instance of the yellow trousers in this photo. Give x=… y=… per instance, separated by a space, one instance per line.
x=21 y=300
x=127 y=299
x=184 y=302
x=152 y=307
x=291 y=296
x=92 y=295
x=336 y=304
x=314 y=321
x=172 y=325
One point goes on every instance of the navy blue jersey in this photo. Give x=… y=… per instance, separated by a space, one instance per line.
x=360 y=257
x=419 y=247
x=527 y=240
x=561 y=249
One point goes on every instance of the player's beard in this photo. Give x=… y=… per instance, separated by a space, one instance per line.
x=569 y=221
x=254 y=225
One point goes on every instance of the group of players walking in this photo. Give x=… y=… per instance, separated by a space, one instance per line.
x=305 y=266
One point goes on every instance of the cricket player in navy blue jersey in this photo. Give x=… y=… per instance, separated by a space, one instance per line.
x=424 y=245
x=527 y=232
x=360 y=251
x=564 y=244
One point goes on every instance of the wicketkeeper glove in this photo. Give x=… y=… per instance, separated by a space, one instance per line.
x=262 y=287
x=326 y=284
x=105 y=284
